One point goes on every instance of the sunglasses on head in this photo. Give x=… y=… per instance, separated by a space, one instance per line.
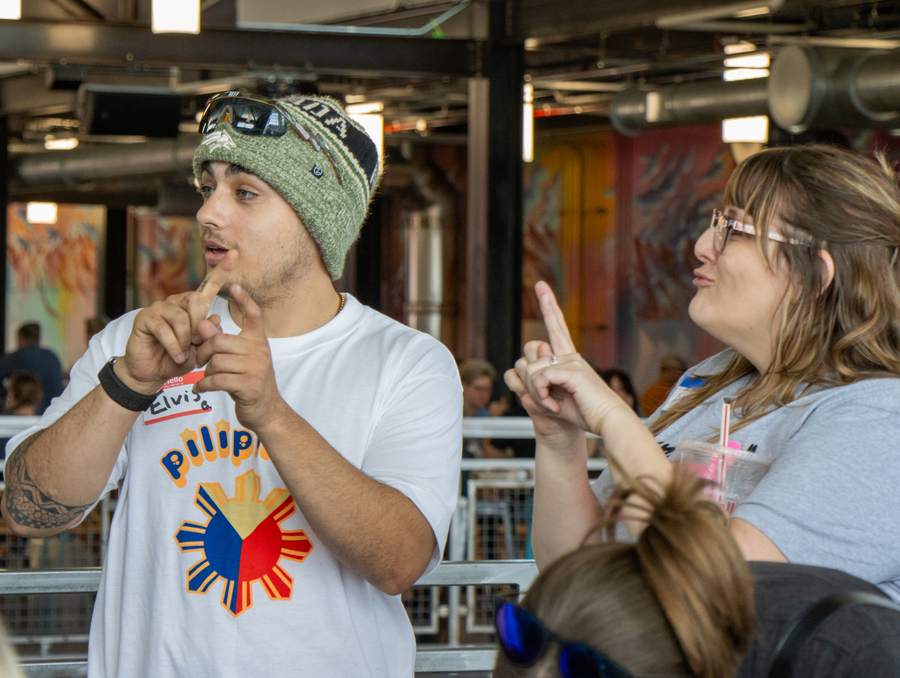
x=524 y=639
x=255 y=115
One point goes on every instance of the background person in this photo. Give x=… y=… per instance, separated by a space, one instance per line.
x=25 y=395
x=477 y=377
x=288 y=458
x=30 y=356
x=799 y=276
x=620 y=382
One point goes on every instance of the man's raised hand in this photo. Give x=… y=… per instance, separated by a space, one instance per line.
x=165 y=336
x=241 y=365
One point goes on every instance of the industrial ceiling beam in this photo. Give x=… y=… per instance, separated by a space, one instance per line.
x=360 y=55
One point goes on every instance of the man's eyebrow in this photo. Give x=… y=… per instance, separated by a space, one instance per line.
x=234 y=169
x=230 y=171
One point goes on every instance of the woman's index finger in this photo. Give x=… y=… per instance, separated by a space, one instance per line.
x=554 y=321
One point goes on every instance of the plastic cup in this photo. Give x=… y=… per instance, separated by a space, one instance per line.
x=735 y=472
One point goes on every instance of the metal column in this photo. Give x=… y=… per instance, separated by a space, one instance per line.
x=4 y=202
x=114 y=282
x=505 y=69
x=477 y=218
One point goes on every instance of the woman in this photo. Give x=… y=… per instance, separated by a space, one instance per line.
x=676 y=602
x=799 y=276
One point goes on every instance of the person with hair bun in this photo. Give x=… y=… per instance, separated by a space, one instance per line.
x=679 y=601
x=800 y=276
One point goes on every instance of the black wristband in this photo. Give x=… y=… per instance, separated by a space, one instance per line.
x=120 y=393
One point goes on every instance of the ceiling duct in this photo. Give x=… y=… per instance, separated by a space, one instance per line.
x=635 y=110
x=79 y=166
x=819 y=87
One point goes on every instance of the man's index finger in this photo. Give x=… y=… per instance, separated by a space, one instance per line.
x=217 y=277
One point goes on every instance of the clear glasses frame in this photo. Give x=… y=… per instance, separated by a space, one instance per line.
x=722 y=226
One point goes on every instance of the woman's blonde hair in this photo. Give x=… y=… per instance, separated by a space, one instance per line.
x=679 y=601
x=833 y=200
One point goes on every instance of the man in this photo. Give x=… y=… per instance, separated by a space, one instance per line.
x=274 y=505
x=30 y=356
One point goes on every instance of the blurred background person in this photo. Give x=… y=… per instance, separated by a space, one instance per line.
x=24 y=395
x=671 y=367
x=477 y=377
x=620 y=382
x=30 y=356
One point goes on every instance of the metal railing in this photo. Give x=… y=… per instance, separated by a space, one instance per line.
x=429 y=659
x=477 y=510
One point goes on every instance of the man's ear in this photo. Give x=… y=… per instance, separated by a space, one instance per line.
x=827 y=268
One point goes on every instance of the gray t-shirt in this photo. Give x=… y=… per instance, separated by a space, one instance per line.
x=832 y=496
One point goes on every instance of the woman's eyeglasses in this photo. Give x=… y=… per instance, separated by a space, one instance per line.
x=523 y=640
x=723 y=225
x=256 y=115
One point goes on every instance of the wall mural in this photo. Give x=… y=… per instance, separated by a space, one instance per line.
x=169 y=259
x=670 y=184
x=51 y=276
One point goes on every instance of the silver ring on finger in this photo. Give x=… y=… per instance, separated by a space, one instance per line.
x=552 y=359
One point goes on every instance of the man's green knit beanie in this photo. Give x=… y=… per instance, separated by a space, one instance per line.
x=328 y=179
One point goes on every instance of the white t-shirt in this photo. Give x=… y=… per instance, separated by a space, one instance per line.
x=211 y=570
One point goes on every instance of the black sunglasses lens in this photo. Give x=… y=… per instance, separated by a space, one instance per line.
x=521 y=634
x=578 y=660
x=253 y=118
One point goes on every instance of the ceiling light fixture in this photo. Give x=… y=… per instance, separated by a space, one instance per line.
x=740 y=47
x=10 y=9
x=730 y=74
x=364 y=108
x=41 y=213
x=176 y=16
x=373 y=123
x=51 y=143
x=759 y=60
x=753 y=129
x=528 y=123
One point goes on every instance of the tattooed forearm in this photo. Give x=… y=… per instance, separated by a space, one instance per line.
x=25 y=503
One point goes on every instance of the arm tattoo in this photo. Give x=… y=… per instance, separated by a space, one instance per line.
x=25 y=502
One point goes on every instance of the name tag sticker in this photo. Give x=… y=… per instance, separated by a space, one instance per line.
x=685 y=384
x=177 y=400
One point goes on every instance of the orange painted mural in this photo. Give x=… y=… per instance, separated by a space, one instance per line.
x=52 y=276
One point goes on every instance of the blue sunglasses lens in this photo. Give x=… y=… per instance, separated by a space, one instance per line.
x=521 y=634
x=577 y=660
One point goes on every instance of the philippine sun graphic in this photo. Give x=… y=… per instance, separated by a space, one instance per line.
x=242 y=542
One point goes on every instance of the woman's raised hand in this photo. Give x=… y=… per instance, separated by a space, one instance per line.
x=554 y=382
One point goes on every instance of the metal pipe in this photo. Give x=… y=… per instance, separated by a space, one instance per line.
x=73 y=167
x=697 y=103
x=740 y=9
x=876 y=87
x=818 y=87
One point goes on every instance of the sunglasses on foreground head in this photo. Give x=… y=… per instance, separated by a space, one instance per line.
x=524 y=639
x=255 y=115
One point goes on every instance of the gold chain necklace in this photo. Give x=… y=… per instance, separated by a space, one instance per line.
x=343 y=301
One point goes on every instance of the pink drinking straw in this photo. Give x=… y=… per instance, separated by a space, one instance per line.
x=723 y=441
